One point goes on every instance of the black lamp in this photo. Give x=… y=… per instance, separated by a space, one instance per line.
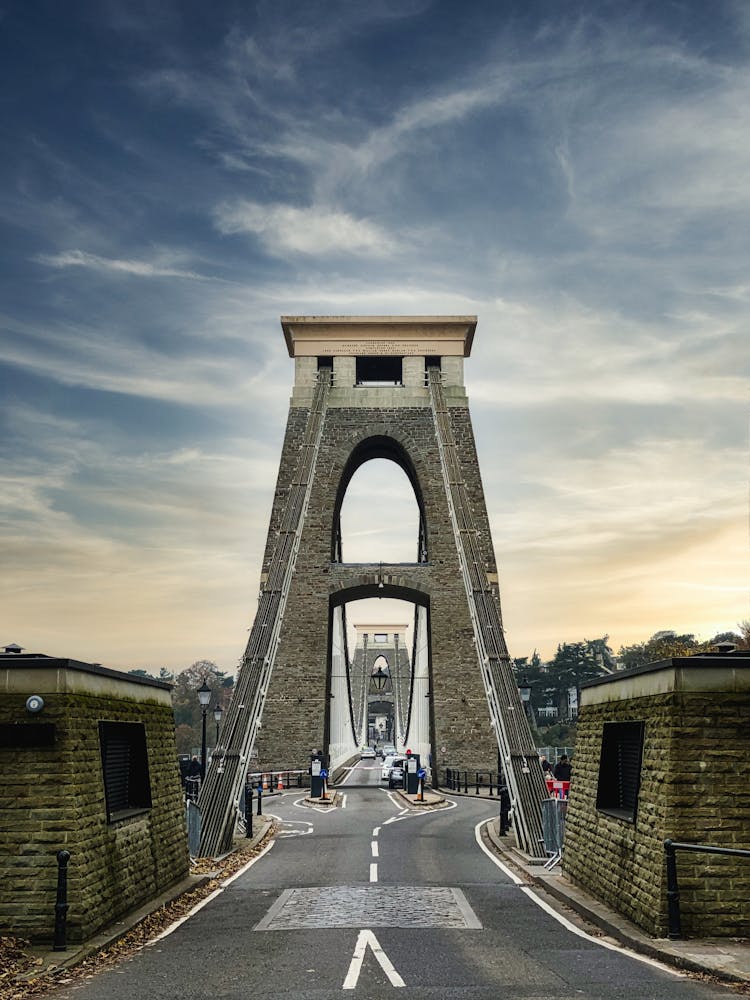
x=204 y=697
x=380 y=678
x=218 y=712
x=524 y=689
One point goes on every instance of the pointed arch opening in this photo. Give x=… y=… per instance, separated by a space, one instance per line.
x=379 y=513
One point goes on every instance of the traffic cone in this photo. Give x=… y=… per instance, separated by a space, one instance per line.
x=265 y=782
x=280 y=785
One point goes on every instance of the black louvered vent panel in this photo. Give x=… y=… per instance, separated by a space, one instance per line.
x=117 y=774
x=124 y=768
x=629 y=768
x=620 y=769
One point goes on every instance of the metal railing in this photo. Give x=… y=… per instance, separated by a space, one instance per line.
x=220 y=795
x=472 y=781
x=673 y=893
x=512 y=731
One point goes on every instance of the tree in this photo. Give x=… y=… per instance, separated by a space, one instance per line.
x=574 y=663
x=661 y=646
x=531 y=670
x=187 y=709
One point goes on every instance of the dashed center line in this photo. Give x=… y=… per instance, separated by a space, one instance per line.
x=376 y=831
x=374 y=846
x=373 y=873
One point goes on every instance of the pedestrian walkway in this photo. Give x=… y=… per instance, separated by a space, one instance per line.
x=47 y=968
x=724 y=958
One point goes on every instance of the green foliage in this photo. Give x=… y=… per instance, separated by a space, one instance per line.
x=187 y=709
x=661 y=646
x=562 y=734
x=573 y=663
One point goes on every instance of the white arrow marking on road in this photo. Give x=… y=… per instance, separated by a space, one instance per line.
x=368 y=938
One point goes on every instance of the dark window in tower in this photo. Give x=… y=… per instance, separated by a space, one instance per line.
x=379 y=371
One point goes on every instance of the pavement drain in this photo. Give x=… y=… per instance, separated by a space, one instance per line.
x=372 y=906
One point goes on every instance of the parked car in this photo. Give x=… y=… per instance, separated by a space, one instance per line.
x=396 y=775
x=388 y=763
x=366 y=753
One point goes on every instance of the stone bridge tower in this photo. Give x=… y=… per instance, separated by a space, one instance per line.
x=365 y=388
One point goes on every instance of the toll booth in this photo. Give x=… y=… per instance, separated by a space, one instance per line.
x=411 y=773
x=318 y=775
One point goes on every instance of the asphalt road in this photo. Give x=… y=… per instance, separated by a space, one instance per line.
x=371 y=900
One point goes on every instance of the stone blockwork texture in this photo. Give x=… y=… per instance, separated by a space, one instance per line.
x=294 y=714
x=53 y=799
x=695 y=788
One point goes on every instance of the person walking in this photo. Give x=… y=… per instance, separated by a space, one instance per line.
x=562 y=769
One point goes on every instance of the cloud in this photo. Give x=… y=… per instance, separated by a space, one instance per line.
x=125 y=531
x=138 y=268
x=285 y=229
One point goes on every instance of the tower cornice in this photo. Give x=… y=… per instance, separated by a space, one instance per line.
x=368 y=336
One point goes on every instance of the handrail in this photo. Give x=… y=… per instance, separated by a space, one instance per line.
x=523 y=772
x=220 y=795
x=673 y=894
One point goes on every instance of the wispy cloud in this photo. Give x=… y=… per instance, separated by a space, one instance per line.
x=285 y=229
x=137 y=268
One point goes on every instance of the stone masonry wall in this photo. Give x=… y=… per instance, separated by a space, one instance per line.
x=695 y=788
x=294 y=715
x=53 y=798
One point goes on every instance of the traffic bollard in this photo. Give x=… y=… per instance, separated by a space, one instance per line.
x=61 y=905
x=260 y=799
x=249 y=811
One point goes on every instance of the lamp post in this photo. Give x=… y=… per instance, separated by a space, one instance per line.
x=524 y=689
x=204 y=697
x=218 y=712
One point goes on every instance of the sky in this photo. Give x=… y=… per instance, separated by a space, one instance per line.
x=177 y=176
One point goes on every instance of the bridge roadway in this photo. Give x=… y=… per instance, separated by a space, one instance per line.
x=368 y=896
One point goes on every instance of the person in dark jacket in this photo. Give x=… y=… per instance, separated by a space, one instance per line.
x=562 y=769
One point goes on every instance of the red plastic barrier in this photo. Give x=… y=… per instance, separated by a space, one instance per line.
x=557 y=789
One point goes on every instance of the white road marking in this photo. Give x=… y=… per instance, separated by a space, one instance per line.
x=374 y=846
x=292 y=823
x=300 y=804
x=343 y=801
x=528 y=891
x=406 y=813
x=373 y=873
x=376 y=831
x=199 y=906
x=355 y=967
x=493 y=858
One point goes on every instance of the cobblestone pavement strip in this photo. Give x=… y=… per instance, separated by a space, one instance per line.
x=359 y=906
